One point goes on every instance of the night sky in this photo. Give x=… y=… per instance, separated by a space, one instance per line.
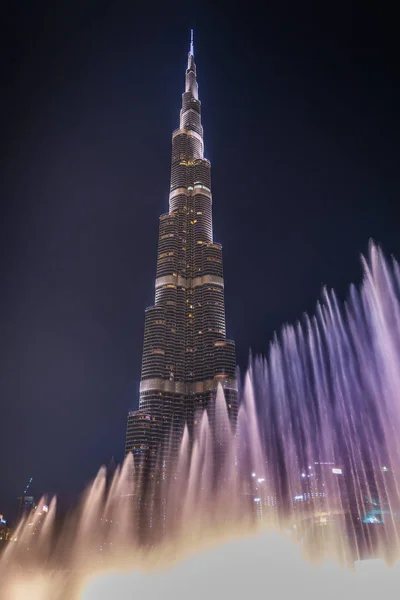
x=300 y=113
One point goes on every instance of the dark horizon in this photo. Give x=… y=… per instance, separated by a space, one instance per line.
x=301 y=127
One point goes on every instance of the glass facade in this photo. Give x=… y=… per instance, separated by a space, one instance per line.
x=185 y=352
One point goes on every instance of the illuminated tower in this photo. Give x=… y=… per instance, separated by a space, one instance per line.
x=185 y=351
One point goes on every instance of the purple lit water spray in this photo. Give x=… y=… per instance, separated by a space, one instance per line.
x=315 y=454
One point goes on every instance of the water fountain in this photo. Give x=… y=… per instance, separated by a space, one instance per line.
x=314 y=459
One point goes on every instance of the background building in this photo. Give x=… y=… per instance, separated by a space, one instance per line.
x=5 y=531
x=24 y=506
x=26 y=502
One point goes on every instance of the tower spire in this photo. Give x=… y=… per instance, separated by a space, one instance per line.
x=191 y=83
x=191 y=50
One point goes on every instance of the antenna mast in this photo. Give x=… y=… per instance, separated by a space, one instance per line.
x=191 y=43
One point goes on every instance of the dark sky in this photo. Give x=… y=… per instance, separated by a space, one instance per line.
x=300 y=111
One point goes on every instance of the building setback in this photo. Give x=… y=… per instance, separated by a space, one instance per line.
x=185 y=352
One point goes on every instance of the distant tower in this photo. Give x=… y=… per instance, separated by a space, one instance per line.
x=25 y=502
x=185 y=353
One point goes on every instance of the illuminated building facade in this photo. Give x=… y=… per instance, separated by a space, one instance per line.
x=320 y=484
x=185 y=353
x=5 y=532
